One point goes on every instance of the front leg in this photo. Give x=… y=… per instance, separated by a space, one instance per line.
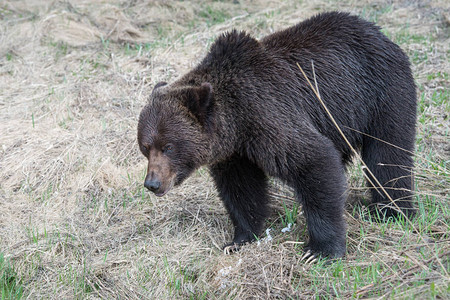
x=242 y=187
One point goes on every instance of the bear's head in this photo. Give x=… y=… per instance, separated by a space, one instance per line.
x=173 y=132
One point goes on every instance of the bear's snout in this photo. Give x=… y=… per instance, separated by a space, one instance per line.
x=152 y=184
x=155 y=185
x=160 y=176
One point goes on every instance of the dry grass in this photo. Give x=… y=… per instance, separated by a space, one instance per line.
x=75 y=221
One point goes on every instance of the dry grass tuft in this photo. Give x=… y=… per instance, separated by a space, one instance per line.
x=75 y=221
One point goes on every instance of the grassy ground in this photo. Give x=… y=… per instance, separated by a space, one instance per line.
x=75 y=220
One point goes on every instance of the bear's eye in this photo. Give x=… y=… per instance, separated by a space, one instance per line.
x=168 y=148
x=145 y=149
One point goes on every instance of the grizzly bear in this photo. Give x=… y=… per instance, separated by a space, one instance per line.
x=248 y=113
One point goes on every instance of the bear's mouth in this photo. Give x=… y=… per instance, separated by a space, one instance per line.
x=162 y=193
x=165 y=191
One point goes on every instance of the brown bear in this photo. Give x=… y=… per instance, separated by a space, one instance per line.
x=247 y=112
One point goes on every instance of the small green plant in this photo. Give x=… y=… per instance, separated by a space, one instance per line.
x=105 y=43
x=372 y=13
x=420 y=55
x=67 y=120
x=213 y=16
x=162 y=32
x=290 y=214
x=438 y=75
x=405 y=37
x=137 y=49
x=61 y=49
x=78 y=279
x=441 y=98
x=10 y=284
x=174 y=283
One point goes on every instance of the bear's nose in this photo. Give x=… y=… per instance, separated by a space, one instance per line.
x=153 y=185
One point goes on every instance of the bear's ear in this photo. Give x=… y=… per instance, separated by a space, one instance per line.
x=158 y=85
x=199 y=101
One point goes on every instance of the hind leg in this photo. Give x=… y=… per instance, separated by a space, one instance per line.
x=393 y=168
x=320 y=184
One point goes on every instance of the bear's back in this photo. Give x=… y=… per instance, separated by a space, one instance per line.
x=325 y=31
x=341 y=41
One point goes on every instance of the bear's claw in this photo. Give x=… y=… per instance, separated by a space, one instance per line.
x=231 y=248
x=310 y=257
